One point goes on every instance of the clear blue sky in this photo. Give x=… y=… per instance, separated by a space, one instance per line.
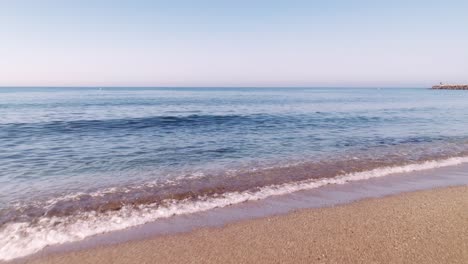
x=233 y=43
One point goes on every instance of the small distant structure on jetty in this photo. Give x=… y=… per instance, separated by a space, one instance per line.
x=443 y=86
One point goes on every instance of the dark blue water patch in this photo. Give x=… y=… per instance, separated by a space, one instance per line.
x=163 y=122
x=260 y=121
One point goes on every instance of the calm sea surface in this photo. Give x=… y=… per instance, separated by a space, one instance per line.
x=69 y=154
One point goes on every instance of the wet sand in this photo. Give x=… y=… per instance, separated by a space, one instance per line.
x=420 y=227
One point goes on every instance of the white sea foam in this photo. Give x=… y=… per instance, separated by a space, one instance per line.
x=22 y=239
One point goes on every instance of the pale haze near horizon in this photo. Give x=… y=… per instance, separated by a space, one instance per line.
x=233 y=43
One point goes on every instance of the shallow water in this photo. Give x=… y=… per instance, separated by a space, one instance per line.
x=330 y=195
x=82 y=161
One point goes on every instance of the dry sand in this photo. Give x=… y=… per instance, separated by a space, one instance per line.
x=420 y=227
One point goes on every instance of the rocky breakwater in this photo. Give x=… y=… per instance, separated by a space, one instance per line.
x=451 y=87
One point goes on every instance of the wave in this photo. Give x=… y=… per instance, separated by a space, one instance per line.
x=317 y=120
x=126 y=123
x=19 y=239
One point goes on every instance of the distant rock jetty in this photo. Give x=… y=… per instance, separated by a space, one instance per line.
x=451 y=87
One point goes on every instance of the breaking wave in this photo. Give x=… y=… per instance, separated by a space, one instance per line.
x=22 y=238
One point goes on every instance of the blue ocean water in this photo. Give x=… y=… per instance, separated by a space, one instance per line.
x=74 y=142
x=56 y=139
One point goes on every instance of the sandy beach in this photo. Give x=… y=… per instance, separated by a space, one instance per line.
x=420 y=227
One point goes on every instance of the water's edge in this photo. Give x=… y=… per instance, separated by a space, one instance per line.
x=326 y=196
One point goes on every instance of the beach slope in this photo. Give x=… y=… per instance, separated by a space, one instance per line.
x=421 y=227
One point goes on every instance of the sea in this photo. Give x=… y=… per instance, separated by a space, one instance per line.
x=82 y=161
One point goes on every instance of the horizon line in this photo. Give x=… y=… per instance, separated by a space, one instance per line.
x=207 y=86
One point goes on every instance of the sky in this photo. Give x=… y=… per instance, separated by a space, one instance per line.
x=256 y=43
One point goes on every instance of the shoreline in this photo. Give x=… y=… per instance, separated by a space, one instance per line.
x=424 y=226
x=54 y=234
x=325 y=196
